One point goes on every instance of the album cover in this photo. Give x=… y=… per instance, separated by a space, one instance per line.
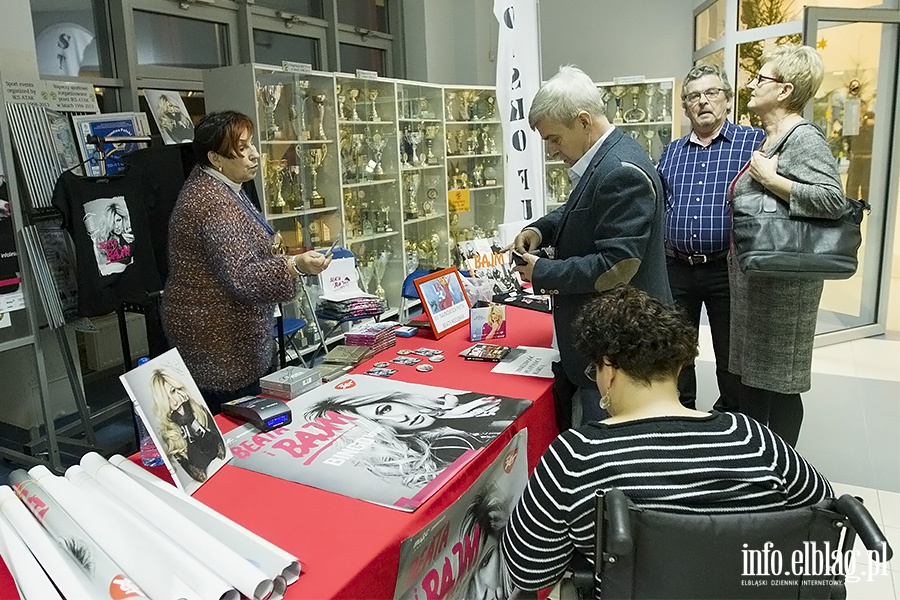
x=485 y=352
x=383 y=441
x=483 y=258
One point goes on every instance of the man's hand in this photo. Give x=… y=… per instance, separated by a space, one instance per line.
x=526 y=241
x=526 y=269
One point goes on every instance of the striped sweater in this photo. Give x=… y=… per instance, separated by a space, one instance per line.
x=724 y=463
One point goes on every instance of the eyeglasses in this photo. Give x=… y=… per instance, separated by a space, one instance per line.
x=590 y=372
x=761 y=79
x=711 y=94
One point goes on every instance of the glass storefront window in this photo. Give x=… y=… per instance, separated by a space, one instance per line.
x=709 y=25
x=308 y=8
x=760 y=13
x=65 y=39
x=749 y=62
x=360 y=57
x=168 y=41
x=366 y=14
x=271 y=48
x=715 y=58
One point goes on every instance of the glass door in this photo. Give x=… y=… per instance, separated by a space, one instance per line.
x=857 y=108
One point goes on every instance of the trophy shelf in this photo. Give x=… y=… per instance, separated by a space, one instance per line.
x=372 y=236
x=420 y=168
x=369 y=183
x=301 y=213
x=294 y=142
x=419 y=121
x=484 y=188
x=424 y=219
x=361 y=122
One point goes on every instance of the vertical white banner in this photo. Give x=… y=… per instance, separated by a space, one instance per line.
x=518 y=80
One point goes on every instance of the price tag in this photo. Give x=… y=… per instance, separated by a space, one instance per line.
x=364 y=74
x=296 y=67
x=459 y=200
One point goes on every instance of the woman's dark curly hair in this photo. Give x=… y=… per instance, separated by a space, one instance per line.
x=636 y=333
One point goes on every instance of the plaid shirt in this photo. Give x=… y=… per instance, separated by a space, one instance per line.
x=696 y=179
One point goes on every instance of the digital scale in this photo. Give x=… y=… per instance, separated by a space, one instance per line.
x=260 y=411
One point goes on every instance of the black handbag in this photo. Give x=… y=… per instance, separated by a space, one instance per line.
x=767 y=241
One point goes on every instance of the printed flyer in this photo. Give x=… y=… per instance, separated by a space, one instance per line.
x=457 y=556
x=387 y=442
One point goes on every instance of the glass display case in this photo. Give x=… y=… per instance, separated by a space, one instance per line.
x=370 y=175
x=649 y=110
x=422 y=151
x=298 y=181
x=474 y=163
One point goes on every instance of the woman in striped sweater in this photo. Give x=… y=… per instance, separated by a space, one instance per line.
x=663 y=455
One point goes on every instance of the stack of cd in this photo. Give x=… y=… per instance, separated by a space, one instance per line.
x=376 y=336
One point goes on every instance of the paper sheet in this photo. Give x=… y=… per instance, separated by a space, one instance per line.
x=533 y=362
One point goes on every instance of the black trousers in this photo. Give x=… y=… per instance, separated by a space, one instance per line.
x=782 y=413
x=692 y=287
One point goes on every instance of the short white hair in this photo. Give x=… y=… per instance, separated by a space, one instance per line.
x=564 y=96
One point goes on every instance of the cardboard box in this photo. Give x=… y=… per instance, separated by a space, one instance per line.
x=290 y=382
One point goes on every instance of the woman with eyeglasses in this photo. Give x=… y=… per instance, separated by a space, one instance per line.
x=227 y=269
x=773 y=321
x=661 y=454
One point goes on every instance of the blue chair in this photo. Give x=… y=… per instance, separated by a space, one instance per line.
x=285 y=332
x=408 y=292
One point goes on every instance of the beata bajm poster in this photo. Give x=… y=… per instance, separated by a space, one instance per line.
x=167 y=399
x=457 y=556
x=387 y=442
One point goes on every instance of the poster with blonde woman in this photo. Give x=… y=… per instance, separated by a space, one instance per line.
x=168 y=401
x=171 y=116
x=387 y=442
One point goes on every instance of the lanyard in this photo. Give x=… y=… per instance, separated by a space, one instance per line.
x=245 y=202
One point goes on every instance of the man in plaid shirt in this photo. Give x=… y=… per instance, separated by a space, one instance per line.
x=696 y=172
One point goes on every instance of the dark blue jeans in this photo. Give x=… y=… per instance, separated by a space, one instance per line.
x=692 y=286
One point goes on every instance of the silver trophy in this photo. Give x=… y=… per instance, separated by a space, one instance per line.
x=381 y=263
x=635 y=114
x=366 y=268
x=269 y=95
x=618 y=91
x=412 y=190
x=376 y=144
x=650 y=92
x=451 y=96
x=319 y=101
x=649 y=134
x=413 y=138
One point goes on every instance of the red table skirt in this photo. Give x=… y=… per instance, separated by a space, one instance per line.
x=350 y=548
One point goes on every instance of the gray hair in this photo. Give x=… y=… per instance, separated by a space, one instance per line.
x=699 y=71
x=564 y=96
x=801 y=66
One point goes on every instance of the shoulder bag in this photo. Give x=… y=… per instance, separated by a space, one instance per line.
x=768 y=242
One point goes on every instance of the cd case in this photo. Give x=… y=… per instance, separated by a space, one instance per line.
x=485 y=352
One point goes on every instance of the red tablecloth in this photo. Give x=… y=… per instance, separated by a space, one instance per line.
x=350 y=548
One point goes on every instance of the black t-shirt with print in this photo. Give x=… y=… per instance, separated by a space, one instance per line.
x=107 y=219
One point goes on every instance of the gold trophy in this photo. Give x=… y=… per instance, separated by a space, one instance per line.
x=353 y=95
x=372 y=95
x=274 y=179
x=313 y=158
x=376 y=144
x=431 y=132
x=618 y=91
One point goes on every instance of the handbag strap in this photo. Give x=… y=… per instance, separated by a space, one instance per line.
x=778 y=145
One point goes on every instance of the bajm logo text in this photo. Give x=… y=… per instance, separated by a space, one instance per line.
x=813 y=560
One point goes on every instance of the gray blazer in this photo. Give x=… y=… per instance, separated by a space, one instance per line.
x=610 y=231
x=773 y=321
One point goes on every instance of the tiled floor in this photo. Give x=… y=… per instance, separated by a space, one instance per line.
x=851 y=433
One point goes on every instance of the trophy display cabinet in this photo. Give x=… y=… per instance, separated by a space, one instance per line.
x=649 y=110
x=474 y=163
